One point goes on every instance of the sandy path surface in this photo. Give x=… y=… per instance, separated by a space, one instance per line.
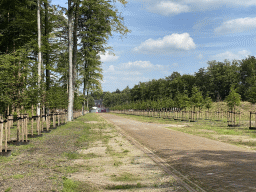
x=213 y=165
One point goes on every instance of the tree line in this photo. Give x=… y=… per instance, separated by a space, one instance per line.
x=49 y=55
x=214 y=83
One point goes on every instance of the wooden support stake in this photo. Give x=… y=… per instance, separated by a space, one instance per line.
x=8 y=123
x=38 y=125
x=26 y=127
x=9 y=127
x=234 y=115
x=42 y=120
x=22 y=128
x=58 y=119
x=32 y=120
x=6 y=127
x=42 y=123
x=250 y=119
x=18 y=128
x=54 y=121
x=255 y=119
x=1 y=137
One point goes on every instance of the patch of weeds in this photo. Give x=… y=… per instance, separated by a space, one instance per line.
x=90 y=156
x=14 y=153
x=29 y=146
x=8 y=189
x=70 y=185
x=118 y=163
x=71 y=155
x=249 y=143
x=77 y=186
x=52 y=177
x=172 y=181
x=138 y=185
x=126 y=151
x=70 y=169
x=111 y=151
x=156 y=185
x=124 y=177
x=5 y=159
x=98 y=169
x=106 y=138
x=18 y=176
x=60 y=160
x=89 y=168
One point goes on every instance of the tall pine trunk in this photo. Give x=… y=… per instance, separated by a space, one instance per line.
x=74 y=71
x=84 y=95
x=47 y=56
x=70 y=79
x=39 y=52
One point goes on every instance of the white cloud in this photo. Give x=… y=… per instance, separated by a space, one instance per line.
x=143 y=65
x=172 y=7
x=168 y=44
x=108 y=57
x=169 y=8
x=231 y=55
x=237 y=25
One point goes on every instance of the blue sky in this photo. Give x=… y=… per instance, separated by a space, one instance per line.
x=177 y=35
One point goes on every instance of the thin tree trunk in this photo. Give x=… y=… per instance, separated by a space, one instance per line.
x=84 y=95
x=39 y=51
x=47 y=55
x=47 y=71
x=74 y=71
x=87 y=102
x=70 y=82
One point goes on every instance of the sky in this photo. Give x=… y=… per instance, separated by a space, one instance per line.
x=176 y=35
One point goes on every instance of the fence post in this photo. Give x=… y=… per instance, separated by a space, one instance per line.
x=1 y=136
x=22 y=126
x=26 y=127
x=58 y=119
x=250 y=125
x=32 y=120
x=6 y=126
x=18 y=127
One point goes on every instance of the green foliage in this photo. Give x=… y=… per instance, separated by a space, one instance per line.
x=182 y=100
x=233 y=99
x=196 y=99
x=247 y=78
x=251 y=94
x=208 y=102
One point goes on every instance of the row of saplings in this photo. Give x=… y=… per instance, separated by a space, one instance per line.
x=233 y=117
x=162 y=109
x=16 y=129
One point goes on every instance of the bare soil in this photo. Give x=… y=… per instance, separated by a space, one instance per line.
x=213 y=165
x=120 y=166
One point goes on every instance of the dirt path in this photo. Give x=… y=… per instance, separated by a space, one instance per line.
x=212 y=165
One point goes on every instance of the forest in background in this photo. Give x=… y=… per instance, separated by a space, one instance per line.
x=214 y=83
